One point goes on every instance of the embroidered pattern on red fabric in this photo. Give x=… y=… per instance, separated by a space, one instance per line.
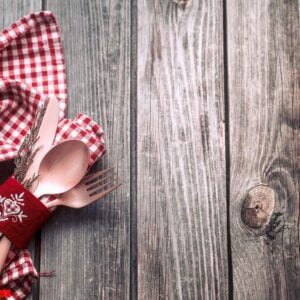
x=11 y=208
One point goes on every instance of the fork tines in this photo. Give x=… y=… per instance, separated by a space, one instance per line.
x=101 y=183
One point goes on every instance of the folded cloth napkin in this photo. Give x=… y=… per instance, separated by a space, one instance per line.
x=32 y=70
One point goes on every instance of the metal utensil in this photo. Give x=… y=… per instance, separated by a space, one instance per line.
x=62 y=168
x=88 y=190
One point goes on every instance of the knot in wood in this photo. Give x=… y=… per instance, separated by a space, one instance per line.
x=258 y=206
x=183 y=3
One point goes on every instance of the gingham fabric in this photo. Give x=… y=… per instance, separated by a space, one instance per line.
x=31 y=70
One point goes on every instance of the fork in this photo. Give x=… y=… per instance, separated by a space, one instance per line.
x=84 y=193
x=88 y=190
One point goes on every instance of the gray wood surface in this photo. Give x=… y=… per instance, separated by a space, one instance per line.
x=263 y=60
x=89 y=248
x=181 y=186
x=11 y=11
x=199 y=101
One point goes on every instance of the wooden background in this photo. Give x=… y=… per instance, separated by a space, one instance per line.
x=200 y=104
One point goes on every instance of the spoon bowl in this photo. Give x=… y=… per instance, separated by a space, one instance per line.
x=62 y=168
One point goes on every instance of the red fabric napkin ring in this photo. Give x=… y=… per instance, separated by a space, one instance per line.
x=21 y=213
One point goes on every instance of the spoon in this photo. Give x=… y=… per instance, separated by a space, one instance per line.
x=60 y=170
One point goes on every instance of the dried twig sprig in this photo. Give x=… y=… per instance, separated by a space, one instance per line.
x=27 y=152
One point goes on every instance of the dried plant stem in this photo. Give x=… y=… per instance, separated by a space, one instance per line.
x=27 y=152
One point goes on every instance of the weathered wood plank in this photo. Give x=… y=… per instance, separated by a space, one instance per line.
x=182 y=232
x=11 y=12
x=89 y=249
x=264 y=66
x=15 y=9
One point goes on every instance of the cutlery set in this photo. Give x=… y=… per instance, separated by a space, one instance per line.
x=61 y=169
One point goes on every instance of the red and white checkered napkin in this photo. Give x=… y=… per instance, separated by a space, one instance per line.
x=31 y=70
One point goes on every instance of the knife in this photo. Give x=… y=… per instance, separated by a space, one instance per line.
x=46 y=136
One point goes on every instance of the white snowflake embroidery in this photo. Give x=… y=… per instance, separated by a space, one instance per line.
x=11 y=208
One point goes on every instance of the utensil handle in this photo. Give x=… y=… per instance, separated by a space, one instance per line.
x=54 y=202
x=5 y=244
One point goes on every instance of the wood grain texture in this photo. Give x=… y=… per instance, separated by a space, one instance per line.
x=264 y=67
x=11 y=12
x=181 y=170
x=182 y=251
x=89 y=248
